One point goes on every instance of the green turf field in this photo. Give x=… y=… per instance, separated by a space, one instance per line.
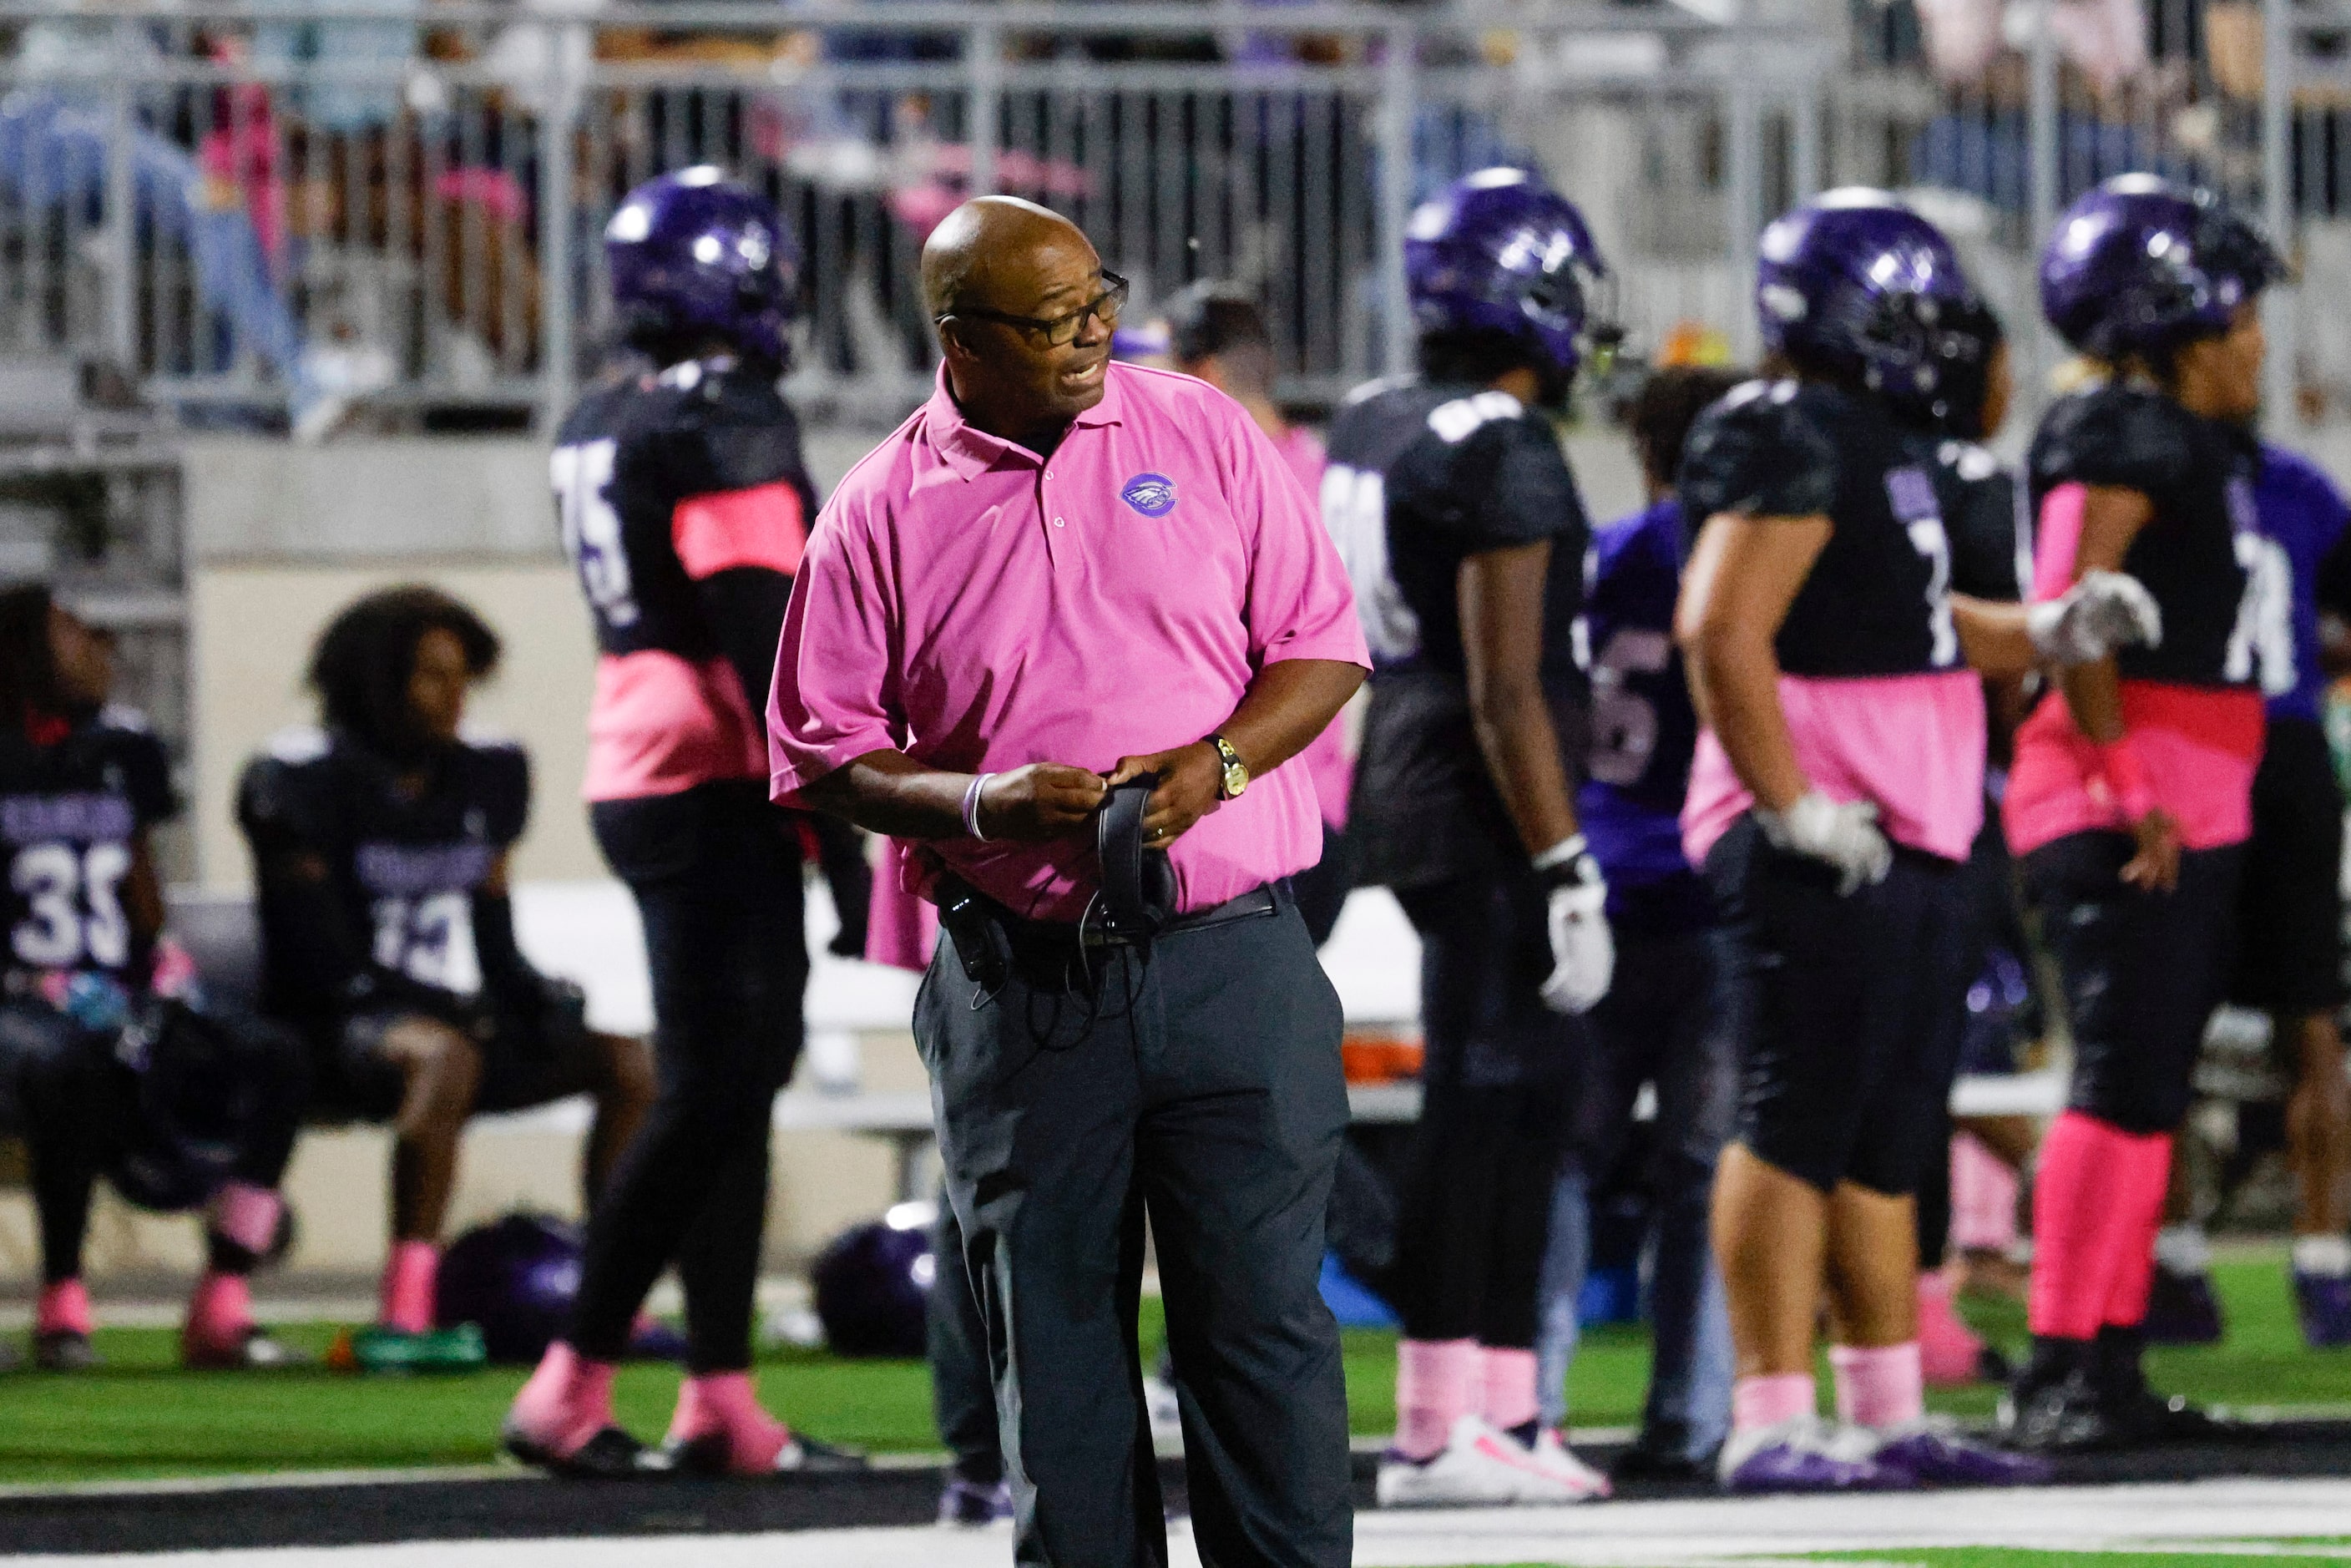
x=140 y=1416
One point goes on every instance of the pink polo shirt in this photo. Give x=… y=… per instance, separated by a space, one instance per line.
x=980 y=608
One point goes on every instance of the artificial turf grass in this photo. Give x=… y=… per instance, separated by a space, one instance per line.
x=140 y=1416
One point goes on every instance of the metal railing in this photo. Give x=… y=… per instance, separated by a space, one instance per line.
x=259 y=206
x=279 y=205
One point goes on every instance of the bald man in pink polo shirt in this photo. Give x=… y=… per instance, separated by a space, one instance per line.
x=1059 y=575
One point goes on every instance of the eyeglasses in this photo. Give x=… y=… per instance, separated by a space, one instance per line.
x=1059 y=331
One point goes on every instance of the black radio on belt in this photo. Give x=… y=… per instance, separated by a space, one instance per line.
x=1138 y=895
x=964 y=916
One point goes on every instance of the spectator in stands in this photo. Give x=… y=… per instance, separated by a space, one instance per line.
x=116 y=1067
x=381 y=841
x=54 y=164
x=361 y=94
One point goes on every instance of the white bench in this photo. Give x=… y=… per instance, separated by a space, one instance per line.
x=588 y=932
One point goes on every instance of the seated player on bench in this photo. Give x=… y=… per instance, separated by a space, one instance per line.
x=380 y=840
x=109 y=1065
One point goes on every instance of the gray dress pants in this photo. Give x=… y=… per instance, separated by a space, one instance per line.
x=1196 y=1080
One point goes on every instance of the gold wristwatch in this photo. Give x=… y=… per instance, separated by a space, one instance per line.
x=1235 y=774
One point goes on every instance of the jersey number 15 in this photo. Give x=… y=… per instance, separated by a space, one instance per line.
x=582 y=477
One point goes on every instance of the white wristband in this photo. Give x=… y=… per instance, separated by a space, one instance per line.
x=1561 y=854
x=971 y=804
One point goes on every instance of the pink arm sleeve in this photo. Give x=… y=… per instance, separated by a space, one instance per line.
x=2059 y=540
x=834 y=695
x=1299 y=605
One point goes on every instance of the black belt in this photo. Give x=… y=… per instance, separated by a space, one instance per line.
x=990 y=940
x=1256 y=901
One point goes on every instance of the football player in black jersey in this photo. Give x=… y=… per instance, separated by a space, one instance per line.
x=1837 y=787
x=2131 y=797
x=113 y=1071
x=381 y=844
x=684 y=502
x=1452 y=505
x=1984 y=506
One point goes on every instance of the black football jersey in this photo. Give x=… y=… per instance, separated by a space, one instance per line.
x=1421 y=477
x=402 y=868
x=71 y=814
x=625 y=459
x=1983 y=511
x=2196 y=553
x=1878 y=601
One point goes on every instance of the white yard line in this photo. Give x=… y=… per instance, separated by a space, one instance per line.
x=2229 y=1517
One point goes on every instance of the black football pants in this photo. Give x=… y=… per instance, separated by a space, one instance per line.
x=716 y=872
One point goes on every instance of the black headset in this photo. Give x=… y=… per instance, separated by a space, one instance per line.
x=1138 y=895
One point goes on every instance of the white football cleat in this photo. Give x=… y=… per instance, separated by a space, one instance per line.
x=1480 y=1467
x=1551 y=1452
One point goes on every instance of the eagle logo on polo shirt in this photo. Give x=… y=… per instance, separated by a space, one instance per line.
x=1152 y=495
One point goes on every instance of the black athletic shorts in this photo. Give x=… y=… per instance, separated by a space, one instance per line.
x=1834 y=1004
x=2141 y=972
x=530 y=1055
x=2290 y=902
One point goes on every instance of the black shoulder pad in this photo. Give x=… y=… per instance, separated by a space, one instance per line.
x=734 y=432
x=501 y=787
x=2125 y=436
x=1516 y=483
x=1763 y=451
x=286 y=799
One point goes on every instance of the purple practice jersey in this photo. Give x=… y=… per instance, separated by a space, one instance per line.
x=1644 y=729
x=2304 y=515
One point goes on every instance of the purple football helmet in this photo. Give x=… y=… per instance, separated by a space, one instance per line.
x=515 y=1279
x=695 y=253
x=1853 y=283
x=1500 y=251
x=872 y=1285
x=2141 y=265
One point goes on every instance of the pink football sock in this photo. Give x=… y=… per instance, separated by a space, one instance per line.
x=1759 y=1402
x=2093 y=1183
x=1879 y=1386
x=2138 y=1215
x=1433 y=1388
x=568 y=1400
x=245 y=1215
x=1949 y=1352
x=1507 y=1386
x=64 y=1309
x=406 y=1302
x=724 y=1402
x=1983 y=1198
x=220 y=1312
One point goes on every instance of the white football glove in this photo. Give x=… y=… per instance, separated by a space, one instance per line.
x=2103 y=611
x=1839 y=833
x=1583 y=950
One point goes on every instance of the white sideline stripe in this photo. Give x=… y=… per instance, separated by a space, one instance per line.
x=2208 y=1517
